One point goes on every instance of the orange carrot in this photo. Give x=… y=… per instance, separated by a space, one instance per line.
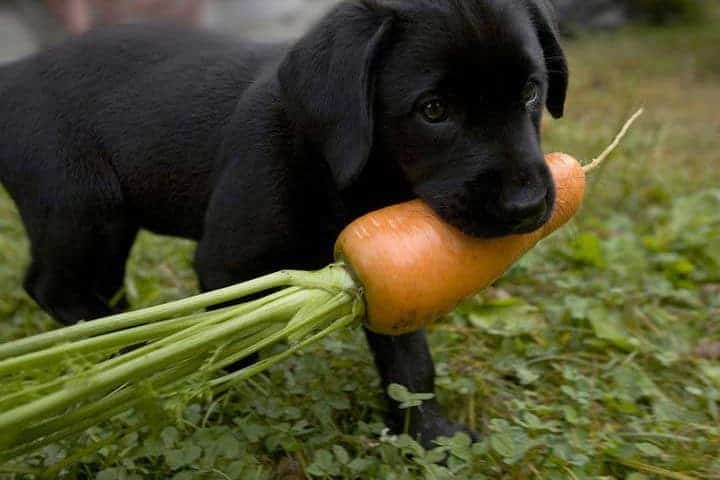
x=415 y=267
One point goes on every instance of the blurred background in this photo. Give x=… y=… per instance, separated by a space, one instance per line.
x=27 y=25
x=597 y=356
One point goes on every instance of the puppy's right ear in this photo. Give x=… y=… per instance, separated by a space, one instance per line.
x=327 y=82
x=557 y=67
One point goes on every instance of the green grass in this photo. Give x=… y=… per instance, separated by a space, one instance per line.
x=597 y=357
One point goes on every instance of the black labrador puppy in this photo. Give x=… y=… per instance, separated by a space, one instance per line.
x=263 y=152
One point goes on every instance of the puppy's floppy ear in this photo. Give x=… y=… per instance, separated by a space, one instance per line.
x=555 y=62
x=327 y=82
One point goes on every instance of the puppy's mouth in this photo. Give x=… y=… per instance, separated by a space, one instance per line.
x=491 y=228
x=484 y=223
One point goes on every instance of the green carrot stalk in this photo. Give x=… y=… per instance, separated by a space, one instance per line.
x=181 y=352
x=117 y=401
x=110 y=342
x=65 y=426
x=244 y=374
x=141 y=366
x=162 y=312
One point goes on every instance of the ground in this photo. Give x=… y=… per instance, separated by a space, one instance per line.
x=598 y=356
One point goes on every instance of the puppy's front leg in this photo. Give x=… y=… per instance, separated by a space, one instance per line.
x=406 y=360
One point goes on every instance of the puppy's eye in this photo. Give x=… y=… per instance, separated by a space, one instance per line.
x=434 y=110
x=531 y=95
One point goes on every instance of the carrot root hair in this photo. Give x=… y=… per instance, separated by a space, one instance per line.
x=600 y=159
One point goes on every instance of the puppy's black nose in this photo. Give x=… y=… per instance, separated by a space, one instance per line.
x=523 y=212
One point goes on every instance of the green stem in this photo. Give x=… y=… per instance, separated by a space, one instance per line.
x=213 y=318
x=122 y=400
x=229 y=380
x=406 y=423
x=185 y=355
x=146 y=315
x=27 y=394
x=331 y=308
x=64 y=426
x=111 y=342
x=146 y=364
x=204 y=321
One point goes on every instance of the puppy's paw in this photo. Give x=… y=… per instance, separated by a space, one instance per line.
x=433 y=427
x=428 y=423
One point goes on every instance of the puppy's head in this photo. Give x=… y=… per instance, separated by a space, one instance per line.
x=447 y=92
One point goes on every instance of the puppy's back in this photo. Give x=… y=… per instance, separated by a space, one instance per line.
x=127 y=92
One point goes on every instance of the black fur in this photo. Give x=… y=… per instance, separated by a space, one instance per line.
x=262 y=153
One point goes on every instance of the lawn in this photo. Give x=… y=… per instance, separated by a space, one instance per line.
x=598 y=356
